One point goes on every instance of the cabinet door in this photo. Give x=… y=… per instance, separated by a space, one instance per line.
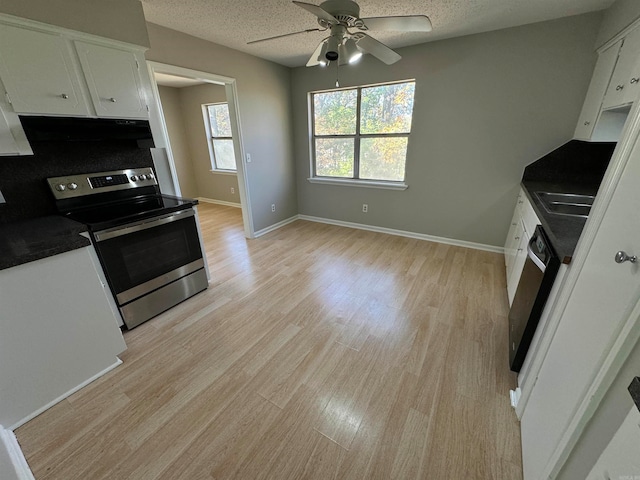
x=113 y=80
x=518 y=263
x=39 y=73
x=8 y=144
x=623 y=88
x=597 y=89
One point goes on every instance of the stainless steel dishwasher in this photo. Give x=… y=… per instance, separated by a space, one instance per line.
x=538 y=275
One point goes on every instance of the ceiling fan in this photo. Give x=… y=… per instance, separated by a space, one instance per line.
x=345 y=46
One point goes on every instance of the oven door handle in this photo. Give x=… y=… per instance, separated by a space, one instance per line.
x=534 y=258
x=142 y=225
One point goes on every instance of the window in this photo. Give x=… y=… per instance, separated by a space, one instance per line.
x=220 y=140
x=362 y=133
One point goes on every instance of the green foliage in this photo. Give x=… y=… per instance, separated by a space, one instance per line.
x=220 y=120
x=384 y=110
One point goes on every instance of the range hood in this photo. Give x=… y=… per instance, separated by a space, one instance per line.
x=75 y=129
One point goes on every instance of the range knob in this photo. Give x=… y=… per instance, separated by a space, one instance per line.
x=72 y=186
x=61 y=187
x=143 y=177
x=134 y=178
x=150 y=176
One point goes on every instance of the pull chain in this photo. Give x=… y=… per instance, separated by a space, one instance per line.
x=337 y=73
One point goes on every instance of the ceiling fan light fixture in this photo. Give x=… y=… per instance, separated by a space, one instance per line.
x=352 y=52
x=333 y=45
x=322 y=60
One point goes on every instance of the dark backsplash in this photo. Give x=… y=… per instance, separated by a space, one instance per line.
x=23 y=178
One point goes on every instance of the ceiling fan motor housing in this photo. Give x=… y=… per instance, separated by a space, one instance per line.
x=345 y=11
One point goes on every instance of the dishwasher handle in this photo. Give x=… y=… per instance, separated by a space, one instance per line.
x=534 y=258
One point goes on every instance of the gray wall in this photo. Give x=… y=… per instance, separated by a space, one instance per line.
x=619 y=16
x=117 y=19
x=265 y=115
x=172 y=109
x=212 y=185
x=486 y=105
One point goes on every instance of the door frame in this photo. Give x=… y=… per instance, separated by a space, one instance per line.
x=628 y=332
x=231 y=92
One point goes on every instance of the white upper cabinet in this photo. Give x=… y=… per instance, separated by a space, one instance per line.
x=67 y=73
x=597 y=89
x=623 y=88
x=113 y=80
x=39 y=74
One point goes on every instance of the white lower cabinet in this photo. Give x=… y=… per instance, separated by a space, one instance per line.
x=523 y=224
x=59 y=332
x=621 y=458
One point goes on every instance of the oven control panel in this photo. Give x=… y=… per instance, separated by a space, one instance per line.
x=87 y=184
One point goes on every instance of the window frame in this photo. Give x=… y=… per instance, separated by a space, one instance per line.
x=357 y=136
x=211 y=137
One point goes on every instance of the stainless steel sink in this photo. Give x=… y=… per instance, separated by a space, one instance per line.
x=566 y=203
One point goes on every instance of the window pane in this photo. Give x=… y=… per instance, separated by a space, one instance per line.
x=383 y=158
x=220 y=122
x=334 y=157
x=335 y=112
x=387 y=108
x=225 y=157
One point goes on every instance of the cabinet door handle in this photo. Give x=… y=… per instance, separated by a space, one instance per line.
x=518 y=238
x=112 y=100
x=619 y=87
x=634 y=80
x=587 y=123
x=64 y=95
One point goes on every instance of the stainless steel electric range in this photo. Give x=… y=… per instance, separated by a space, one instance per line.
x=148 y=243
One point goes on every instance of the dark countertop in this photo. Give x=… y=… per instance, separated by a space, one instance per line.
x=563 y=230
x=575 y=167
x=29 y=240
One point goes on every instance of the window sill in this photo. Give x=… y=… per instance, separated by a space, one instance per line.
x=359 y=183
x=224 y=172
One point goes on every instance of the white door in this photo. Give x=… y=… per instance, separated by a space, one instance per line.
x=599 y=304
x=621 y=458
x=113 y=80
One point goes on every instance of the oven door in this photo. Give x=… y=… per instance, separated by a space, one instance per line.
x=141 y=257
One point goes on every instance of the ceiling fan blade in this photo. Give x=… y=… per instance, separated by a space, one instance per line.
x=286 y=35
x=318 y=12
x=313 y=60
x=409 y=23
x=377 y=49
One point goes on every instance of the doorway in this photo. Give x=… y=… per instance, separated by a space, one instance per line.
x=184 y=123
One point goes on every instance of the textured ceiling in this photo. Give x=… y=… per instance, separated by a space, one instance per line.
x=233 y=23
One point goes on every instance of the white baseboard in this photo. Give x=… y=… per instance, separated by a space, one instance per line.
x=403 y=233
x=276 y=226
x=65 y=395
x=219 y=202
x=9 y=442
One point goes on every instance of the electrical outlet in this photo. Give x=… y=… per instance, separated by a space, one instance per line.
x=273 y=207
x=365 y=208
x=233 y=190
x=248 y=158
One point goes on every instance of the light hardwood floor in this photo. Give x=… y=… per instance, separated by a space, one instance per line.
x=318 y=352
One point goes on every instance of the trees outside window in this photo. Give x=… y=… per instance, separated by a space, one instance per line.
x=220 y=138
x=362 y=133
